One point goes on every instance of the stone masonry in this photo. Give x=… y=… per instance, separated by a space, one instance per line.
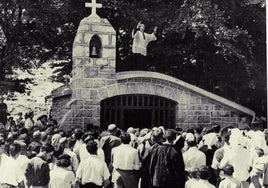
x=95 y=79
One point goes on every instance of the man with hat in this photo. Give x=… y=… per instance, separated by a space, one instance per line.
x=108 y=142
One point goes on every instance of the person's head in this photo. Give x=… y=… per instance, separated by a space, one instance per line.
x=14 y=150
x=157 y=135
x=190 y=140
x=50 y=128
x=13 y=128
x=92 y=147
x=125 y=137
x=198 y=131
x=112 y=129
x=142 y=27
x=170 y=135
x=78 y=134
x=226 y=137
x=204 y=172
x=36 y=135
x=20 y=114
x=63 y=160
x=63 y=142
x=194 y=173
x=47 y=151
x=23 y=147
x=10 y=119
x=71 y=142
x=43 y=119
x=228 y=170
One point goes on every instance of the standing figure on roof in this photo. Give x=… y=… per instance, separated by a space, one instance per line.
x=139 y=45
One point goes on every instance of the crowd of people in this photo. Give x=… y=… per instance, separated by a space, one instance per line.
x=38 y=155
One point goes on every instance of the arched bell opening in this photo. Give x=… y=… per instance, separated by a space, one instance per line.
x=95 y=47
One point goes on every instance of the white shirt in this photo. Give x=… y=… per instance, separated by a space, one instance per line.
x=84 y=154
x=125 y=157
x=140 y=43
x=239 y=158
x=22 y=162
x=9 y=171
x=202 y=184
x=92 y=170
x=193 y=158
x=60 y=177
x=229 y=182
x=77 y=145
x=190 y=182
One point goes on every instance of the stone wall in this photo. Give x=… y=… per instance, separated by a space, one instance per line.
x=195 y=107
x=60 y=98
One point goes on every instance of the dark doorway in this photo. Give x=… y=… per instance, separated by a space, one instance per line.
x=138 y=111
x=137 y=118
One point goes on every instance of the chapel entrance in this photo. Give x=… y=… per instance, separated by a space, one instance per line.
x=138 y=111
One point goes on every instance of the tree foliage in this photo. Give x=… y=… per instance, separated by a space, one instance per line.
x=216 y=45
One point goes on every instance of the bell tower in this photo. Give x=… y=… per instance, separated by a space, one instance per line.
x=94 y=54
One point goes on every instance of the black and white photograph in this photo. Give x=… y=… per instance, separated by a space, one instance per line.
x=133 y=94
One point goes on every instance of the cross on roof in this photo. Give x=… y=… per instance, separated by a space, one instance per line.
x=94 y=6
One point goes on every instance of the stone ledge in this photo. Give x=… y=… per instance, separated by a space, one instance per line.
x=158 y=76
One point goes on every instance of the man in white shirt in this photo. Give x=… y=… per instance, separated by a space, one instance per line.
x=83 y=153
x=229 y=181
x=73 y=157
x=22 y=161
x=10 y=176
x=92 y=172
x=239 y=157
x=204 y=175
x=60 y=176
x=193 y=158
x=125 y=161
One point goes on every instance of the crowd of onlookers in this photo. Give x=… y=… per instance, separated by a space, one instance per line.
x=39 y=155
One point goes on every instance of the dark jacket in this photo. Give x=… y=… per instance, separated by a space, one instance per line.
x=37 y=172
x=166 y=167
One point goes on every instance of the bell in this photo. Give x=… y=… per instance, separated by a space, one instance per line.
x=94 y=52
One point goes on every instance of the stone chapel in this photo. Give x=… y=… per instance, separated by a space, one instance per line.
x=99 y=95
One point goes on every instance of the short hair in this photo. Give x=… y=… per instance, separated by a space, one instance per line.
x=204 y=172
x=125 y=137
x=47 y=148
x=198 y=130
x=78 y=135
x=157 y=135
x=190 y=131
x=72 y=142
x=170 y=135
x=92 y=146
x=63 y=160
x=228 y=170
x=14 y=149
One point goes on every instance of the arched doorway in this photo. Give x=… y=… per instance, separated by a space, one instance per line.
x=138 y=110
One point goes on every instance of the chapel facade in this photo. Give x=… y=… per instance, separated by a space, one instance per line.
x=99 y=95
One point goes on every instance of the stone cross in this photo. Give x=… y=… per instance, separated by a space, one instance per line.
x=94 y=7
